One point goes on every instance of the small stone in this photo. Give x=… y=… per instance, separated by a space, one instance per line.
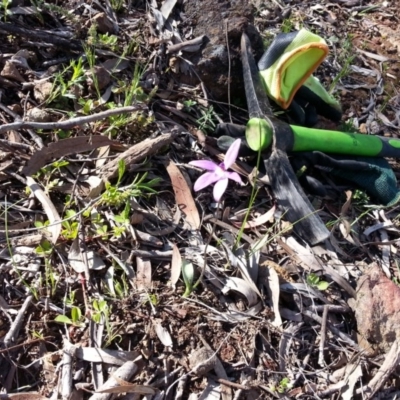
x=376 y=309
x=363 y=128
x=202 y=361
x=38 y=115
x=98 y=77
x=11 y=72
x=42 y=90
x=104 y=25
x=16 y=108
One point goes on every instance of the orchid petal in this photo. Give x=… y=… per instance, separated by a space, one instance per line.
x=232 y=153
x=235 y=177
x=219 y=189
x=204 y=164
x=205 y=180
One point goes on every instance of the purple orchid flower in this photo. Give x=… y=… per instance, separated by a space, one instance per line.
x=219 y=173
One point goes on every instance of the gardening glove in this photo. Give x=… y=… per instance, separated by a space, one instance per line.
x=286 y=69
x=227 y=133
x=371 y=174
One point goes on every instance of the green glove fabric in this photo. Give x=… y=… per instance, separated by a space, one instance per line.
x=312 y=100
x=286 y=69
x=372 y=174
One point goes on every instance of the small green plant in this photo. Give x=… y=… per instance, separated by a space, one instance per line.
x=360 y=197
x=153 y=299
x=76 y=318
x=346 y=58
x=4 y=6
x=70 y=299
x=37 y=335
x=207 y=119
x=283 y=386
x=67 y=81
x=99 y=308
x=98 y=223
x=51 y=278
x=189 y=104
x=121 y=287
x=45 y=248
x=116 y=5
x=315 y=282
x=71 y=226
x=116 y=287
x=348 y=126
x=287 y=25
x=109 y=41
x=115 y=196
x=45 y=175
x=90 y=53
x=101 y=314
x=122 y=221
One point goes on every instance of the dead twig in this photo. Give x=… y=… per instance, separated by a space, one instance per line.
x=66 y=376
x=321 y=361
x=70 y=123
x=49 y=37
x=391 y=362
x=334 y=330
x=13 y=332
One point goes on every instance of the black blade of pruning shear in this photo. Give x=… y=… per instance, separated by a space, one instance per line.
x=256 y=95
x=285 y=186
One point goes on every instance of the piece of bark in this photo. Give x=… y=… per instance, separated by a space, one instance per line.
x=63 y=148
x=125 y=372
x=136 y=153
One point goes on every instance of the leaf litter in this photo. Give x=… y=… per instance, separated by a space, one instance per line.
x=163 y=294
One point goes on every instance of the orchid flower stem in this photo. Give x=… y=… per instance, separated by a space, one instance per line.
x=205 y=250
x=253 y=196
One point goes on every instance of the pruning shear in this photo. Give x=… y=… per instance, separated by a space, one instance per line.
x=276 y=138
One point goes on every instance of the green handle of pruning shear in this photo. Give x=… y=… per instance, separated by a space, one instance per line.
x=357 y=144
x=259 y=135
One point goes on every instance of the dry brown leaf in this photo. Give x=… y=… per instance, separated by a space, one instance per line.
x=78 y=260
x=273 y=289
x=163 y=335
x=347 y=204
x=62 y=148
x=353 y=374
x=261 y=220
x=101 y=154
x=241 y=286
x=23 y=396
x=176 y=264
x=183 y=196
x=48 y=207
x=143 y=273
x=127 y=387
x=167 y=7
x=141 y=389
x=107 y=356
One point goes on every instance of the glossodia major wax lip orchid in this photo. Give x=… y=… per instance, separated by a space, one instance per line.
x=218 y=173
